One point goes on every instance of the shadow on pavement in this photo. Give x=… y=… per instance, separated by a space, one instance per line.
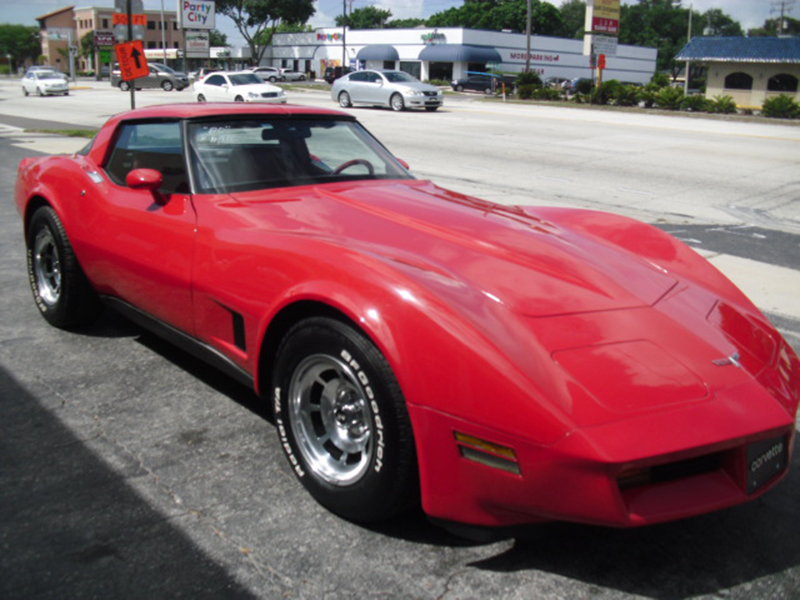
x=72 y=528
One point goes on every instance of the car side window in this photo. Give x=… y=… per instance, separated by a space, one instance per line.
x=373 y=78
x=359 y=76
x=215 y=80
x=156 y=146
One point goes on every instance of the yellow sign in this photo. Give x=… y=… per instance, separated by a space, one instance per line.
x=606 y=9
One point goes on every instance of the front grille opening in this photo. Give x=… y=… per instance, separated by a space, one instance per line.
x=682 y=469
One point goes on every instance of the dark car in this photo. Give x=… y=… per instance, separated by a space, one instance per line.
x=333 y=73
x=488 y=84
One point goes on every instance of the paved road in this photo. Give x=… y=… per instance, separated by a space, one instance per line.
x=127 y=469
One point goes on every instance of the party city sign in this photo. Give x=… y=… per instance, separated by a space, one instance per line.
x=196 y=14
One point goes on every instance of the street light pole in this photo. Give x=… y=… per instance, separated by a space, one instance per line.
x=688 y=39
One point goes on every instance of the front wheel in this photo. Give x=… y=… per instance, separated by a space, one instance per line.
x=238 y=99
x=342 y=421
x=124 y=86
x=60 y=289
x=397 y=103
x=167 y=86
x=201 y=98
x=344 y=100
x=24 y=92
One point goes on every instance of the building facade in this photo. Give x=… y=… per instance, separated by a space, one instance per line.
x=162 y=36
x=449 y=53
x=750 y=70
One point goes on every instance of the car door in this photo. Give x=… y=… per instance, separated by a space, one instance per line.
x=356 y=86
x=144 y=239
x=375 y=89
x=215 y=88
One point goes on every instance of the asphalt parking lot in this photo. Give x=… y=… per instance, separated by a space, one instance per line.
x=128 y=469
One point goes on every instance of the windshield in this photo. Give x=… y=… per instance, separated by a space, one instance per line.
x=163 y=68
x=245 y=79
x=240 y=155
x=400 y=76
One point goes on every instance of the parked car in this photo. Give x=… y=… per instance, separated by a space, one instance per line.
x=237 y=86
x=498 y=364
x=395 y=89
x=201 y=72
x=161 y=76
x=271 y=74
x=487 y=84
x=289 y=75
x=45 y=83
x=334 y=73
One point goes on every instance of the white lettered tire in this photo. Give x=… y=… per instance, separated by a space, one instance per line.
x=342 y=421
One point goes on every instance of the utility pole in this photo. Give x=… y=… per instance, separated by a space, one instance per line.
x=528 y=38
x=783 y=6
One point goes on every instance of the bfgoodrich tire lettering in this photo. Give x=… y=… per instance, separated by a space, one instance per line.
x=60 y=289
x=342 y=421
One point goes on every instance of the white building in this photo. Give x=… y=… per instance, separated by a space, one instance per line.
x=448 y=53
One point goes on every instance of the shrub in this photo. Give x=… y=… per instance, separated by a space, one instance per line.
x=669 y=98
x=627 y=95
x=781 y=107
x=606 y=92
x=530 y=78
x=648 y=93
x=532 y=92
x=695 y=103
x=660 y=80
x=723 y=105
x=584 y=86
x=438 y=82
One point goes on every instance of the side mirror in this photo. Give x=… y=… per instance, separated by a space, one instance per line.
x=144 y=179
x=404 y=163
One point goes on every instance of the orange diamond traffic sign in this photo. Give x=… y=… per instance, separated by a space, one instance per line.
x=132 y=62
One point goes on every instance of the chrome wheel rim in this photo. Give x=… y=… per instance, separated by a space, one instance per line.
x=397 y=102
x=344 y=99
x=330 y=418
x=47 y=267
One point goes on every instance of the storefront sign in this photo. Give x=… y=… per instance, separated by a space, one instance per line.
x=196 y=14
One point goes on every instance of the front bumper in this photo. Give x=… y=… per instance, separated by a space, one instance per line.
x=650 y=469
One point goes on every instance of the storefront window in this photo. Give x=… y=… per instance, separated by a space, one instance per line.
x=441 y=70
x=412 y=68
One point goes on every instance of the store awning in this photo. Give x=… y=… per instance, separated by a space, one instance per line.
x=378 y=52
x=460 y=53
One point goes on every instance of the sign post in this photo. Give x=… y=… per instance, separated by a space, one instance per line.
x=128 y=25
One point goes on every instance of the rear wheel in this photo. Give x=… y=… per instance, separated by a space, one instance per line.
x=459 y=88
x=344 y=100
x=342 y=421
x=397 y=103
x=60 y=289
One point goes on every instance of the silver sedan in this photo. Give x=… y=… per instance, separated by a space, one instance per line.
x=395 y=89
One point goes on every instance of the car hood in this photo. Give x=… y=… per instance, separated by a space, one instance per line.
x=532 y=266
x=420 y=87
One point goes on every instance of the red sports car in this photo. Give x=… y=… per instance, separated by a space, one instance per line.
x=502 y=365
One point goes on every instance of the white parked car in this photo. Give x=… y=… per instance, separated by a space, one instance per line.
x=271 y=74
x=289 y=75
x=395 y=89
x=237 y=86
x=44 y=83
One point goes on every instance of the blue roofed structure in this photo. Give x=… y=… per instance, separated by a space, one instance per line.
x=750 y=70
x=742 y=50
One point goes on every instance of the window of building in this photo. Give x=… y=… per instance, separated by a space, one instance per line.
x=151 y=24
x=105 y=23
x=412 y=68
x=151 y=45
x=782 y=83
x=739 y=81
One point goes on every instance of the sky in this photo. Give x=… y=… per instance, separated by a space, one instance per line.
x=750 y=13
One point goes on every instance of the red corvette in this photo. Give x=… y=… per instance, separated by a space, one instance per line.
x=502 y=365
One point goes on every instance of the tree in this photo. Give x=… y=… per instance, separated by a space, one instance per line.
x=217 y=39
x=573 y=19
x=658 y=24
x=87 y=47
x=21 y=42
x=770 y=29
x=498 y=15
x=717 y=23
x=257 y=20
x=368 y=17
x=405 y=23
